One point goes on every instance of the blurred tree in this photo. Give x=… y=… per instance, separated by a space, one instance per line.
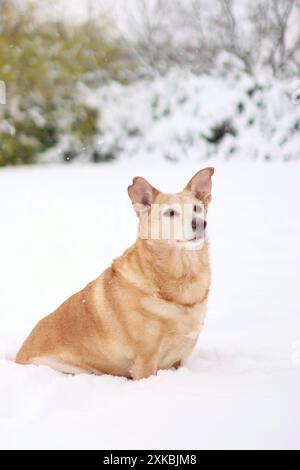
x=193 y=34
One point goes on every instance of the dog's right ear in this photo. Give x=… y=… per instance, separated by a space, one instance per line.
x=200 y=184
x=141 y=193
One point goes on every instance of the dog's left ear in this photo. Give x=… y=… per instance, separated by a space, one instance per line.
x=200 y=184
x=142 y=193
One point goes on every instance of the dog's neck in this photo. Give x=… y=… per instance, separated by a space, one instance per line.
x=174 y=262
x=175 y=274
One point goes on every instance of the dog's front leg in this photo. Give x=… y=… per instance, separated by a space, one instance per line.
x=143 y=367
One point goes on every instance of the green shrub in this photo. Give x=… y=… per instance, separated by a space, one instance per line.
x=44 y=66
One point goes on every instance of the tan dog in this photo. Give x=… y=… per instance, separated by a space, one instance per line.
x=145 y=312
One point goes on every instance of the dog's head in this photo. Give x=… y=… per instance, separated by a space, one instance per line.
x=178 y=219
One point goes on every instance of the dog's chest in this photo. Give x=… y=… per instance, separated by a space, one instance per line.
x=180 y=331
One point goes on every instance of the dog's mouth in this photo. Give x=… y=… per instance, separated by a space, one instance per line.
x=199 y=236
x=195 y=238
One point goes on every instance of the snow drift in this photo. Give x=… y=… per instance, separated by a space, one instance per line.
x=239 y=389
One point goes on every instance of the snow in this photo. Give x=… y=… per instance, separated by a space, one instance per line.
x=62 y=225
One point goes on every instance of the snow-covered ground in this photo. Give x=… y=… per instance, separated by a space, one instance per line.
x=61 y=226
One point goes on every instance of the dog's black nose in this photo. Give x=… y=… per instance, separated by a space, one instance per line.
x=198 y=225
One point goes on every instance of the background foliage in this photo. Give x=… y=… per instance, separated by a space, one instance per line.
x=45 y=66
x=91 y=90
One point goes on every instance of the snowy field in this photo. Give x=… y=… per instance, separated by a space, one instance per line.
x=62 y=225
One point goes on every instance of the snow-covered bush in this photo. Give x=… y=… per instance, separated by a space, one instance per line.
x=43 y=65
x=182 y=115
x=65 y=99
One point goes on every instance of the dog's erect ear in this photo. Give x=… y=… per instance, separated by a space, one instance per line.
x=141 y=193
x=200 y=184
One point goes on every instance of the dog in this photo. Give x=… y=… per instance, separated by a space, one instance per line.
x=145 y=312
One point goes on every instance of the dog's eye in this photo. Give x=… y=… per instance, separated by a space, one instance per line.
x=198 y=209
x=170 y=213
